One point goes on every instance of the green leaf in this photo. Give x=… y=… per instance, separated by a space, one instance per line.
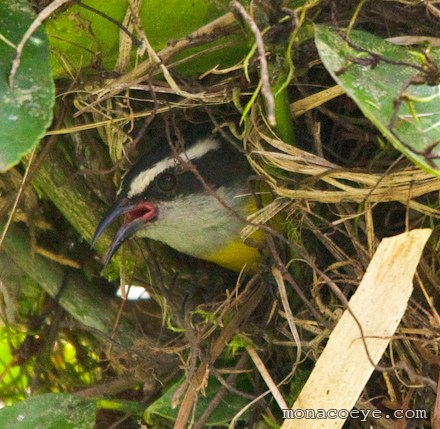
x=14 y=381
x=221 y=416
x=81 y=39
x=26 y=107
x=50 y=411
x=395 y=97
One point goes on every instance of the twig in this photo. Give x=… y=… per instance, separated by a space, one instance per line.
x=113 y=21
x=17 y=198
x=7 y=41
x=251 y=298
x=45 y=13
x=109 y=387
x=266 y=91
x=156 y=60
x=287 y=276
x=202 y=35
x=431 y=8
x=30 y=173
x=334 y=288
x=267 y=378
x=277 y=275
x=436 y=412
x=221 y=393
x=245 y=408
x=228 y=383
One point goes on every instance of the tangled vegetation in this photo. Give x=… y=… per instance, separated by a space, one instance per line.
x=336 y=103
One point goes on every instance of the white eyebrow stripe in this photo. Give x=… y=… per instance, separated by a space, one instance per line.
x=143 y=179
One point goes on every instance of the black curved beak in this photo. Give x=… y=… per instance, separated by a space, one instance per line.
x=139 y=214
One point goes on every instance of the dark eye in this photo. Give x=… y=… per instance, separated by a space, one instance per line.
x=166 y=182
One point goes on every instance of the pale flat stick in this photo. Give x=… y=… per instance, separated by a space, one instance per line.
x=379 y=303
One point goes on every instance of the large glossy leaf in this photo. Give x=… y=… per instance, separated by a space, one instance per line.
x=82 y=39
x=26 y=106
x=388 y=85
x=50 y=411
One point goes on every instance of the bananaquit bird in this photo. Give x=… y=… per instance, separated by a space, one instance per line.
x=180 y=199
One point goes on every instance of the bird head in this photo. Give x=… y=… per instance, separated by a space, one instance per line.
x=194 y=199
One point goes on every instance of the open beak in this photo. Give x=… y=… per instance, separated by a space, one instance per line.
x=137 y=215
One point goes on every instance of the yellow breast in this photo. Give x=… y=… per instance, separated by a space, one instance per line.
x=235 y=256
